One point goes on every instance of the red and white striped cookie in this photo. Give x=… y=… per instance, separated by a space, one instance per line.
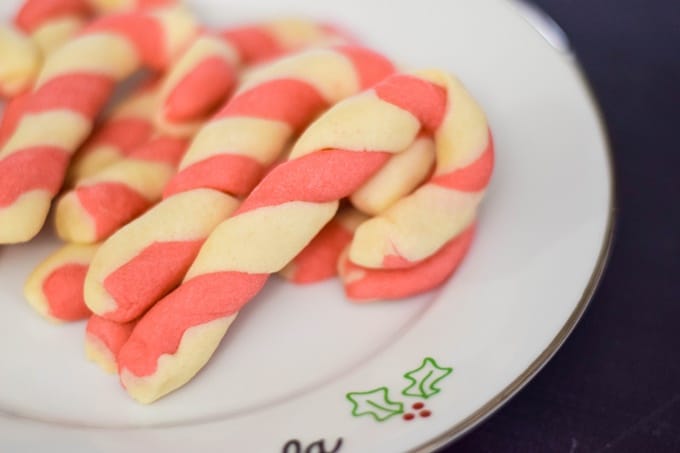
x=229 y=154
x=41 y=26
x=418 y=225
x=318 y=261
x=50 y=23
x=103 y=340
x=97 y=206
x=129 y=125
x=55 y=287
x=335 y=156
x=402 y=174
x=74 y=84
x=365 y=285
x=206 y=73
x=148 y=257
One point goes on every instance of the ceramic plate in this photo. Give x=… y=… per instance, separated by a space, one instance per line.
x=303 y=370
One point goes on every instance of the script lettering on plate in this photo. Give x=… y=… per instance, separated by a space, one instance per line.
x=319 y=446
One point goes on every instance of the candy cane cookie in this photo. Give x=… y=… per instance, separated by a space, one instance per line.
x=55 y=287
x=318 y=261
x=365 y=285
x=50 y=23
x=229 y=155
x=44 y=25
x=103 y=340
x=418 y=225
x=273 y=103
x=97 y=206
x=40 y=26
x=148 y=257
x=75 y=82
x=130 y=125
x=402 y=174
x=206 y=73
x=335 y=156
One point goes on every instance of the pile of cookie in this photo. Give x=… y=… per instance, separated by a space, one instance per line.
x=283 y=147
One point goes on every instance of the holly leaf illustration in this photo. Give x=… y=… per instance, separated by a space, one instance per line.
x=424 y=379
x=375 y=403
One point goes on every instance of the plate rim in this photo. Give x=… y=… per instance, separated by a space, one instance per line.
x=480 y=415
x=470 y=422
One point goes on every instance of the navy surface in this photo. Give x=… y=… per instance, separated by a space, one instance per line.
x=615 y=384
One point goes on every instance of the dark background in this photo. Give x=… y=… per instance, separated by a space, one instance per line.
x=615 y=384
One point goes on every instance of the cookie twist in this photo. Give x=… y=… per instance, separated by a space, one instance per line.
x=418 y=225
x=41 y=26
x=365 y=285
x=97 y=206
x=228 y=155
x=318 y=261
x=103 y=340
x=130 y=125
x=207 y=72
x=50 y=23
x=234 y=149
x=55 y=287
x=402 y=174
x=75 y=82
x=333 y=158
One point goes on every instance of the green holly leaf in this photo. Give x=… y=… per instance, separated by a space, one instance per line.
x=375 y=403
x=424 y=379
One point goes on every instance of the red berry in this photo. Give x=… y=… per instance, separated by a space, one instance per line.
x=417 y=406
x=425 y=413
x=409 y=416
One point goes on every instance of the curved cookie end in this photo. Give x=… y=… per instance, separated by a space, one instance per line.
x=97 y=352
x=197 y=345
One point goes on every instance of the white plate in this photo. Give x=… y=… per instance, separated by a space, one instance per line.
x=284 y=378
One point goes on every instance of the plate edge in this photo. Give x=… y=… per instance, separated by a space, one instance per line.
x=497 y=402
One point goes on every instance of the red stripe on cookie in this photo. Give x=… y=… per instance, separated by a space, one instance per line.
x=40 y=167
x=80 y=92
x=230 y=173
x=372 y=284
x=112 y=334
x=318 y=177
x=319 y=260
x=142 y=281
x=425 y=100
x=371 y=67
x=201 y=91
x=472 y=178
x=164 y=149
x=198 y=301
x=123 y=134
x=111 y=205
x=143 y=31
x=34 y=13
x=63 y=289
x=253 y=43
x=288 y=100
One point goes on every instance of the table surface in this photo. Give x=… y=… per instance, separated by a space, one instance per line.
x=615 y=384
